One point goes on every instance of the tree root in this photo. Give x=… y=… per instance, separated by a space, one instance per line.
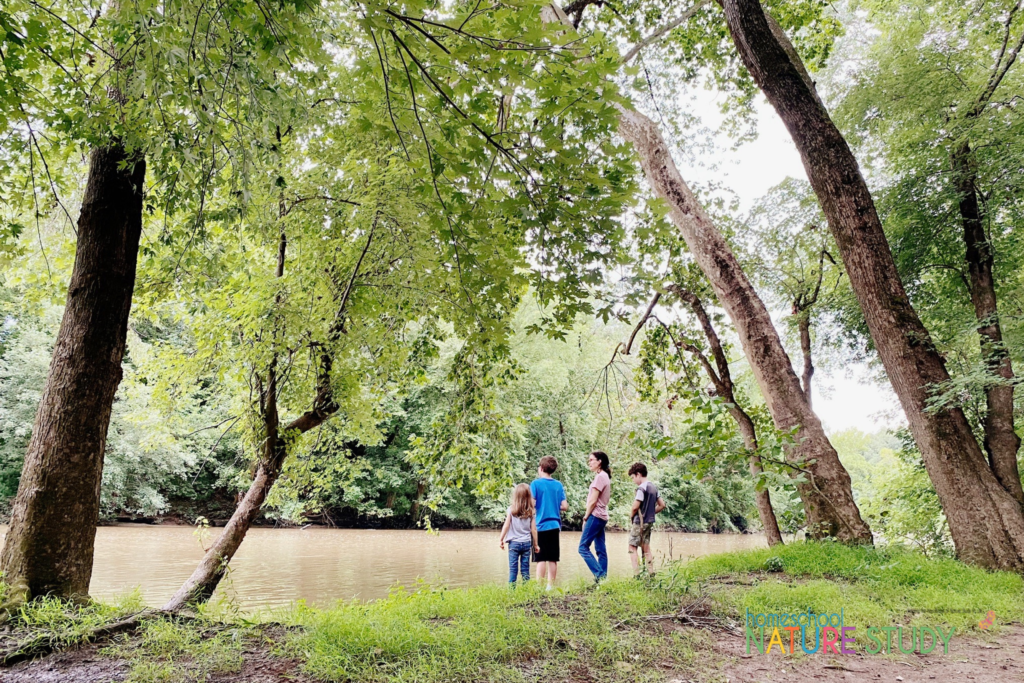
x=17 y=596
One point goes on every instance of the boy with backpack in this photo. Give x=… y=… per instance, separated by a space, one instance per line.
x=646 y=505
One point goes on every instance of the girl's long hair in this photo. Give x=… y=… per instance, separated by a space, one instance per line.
x=522 y=502
x=603 y=458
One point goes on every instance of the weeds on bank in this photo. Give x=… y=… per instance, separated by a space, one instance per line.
x=873 y=586
x=168 y=651
x=65 y=623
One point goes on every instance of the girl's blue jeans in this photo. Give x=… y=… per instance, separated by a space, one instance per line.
x=519 y=560
x=593 y=532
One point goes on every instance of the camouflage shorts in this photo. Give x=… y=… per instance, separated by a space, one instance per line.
x=640 y=534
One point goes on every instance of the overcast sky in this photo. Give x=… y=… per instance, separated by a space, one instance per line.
x=842 y=398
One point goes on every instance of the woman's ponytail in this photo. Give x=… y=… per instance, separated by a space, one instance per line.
x=603 y=458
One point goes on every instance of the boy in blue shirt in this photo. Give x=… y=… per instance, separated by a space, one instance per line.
x=549 y=500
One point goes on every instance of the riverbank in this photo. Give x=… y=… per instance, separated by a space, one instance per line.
x=275 y=568
x=685 y=625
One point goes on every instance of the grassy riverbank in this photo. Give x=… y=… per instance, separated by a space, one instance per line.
x=626 y=630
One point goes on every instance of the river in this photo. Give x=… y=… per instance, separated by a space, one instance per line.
x=275 y=567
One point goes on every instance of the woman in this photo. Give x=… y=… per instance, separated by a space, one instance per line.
x=595 y=519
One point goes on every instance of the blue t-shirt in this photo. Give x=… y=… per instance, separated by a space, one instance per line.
x=549 y=495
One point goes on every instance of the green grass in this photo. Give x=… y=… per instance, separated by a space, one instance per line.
x=166 y=651
x=493 y=633
x=489 y=633
x=873 y=586
x=64 y=623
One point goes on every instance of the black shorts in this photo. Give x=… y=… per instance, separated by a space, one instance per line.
x=548 y=542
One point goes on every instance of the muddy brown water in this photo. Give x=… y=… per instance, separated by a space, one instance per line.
x=275 y=567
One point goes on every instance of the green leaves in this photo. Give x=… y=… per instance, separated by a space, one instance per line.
x=920 y=90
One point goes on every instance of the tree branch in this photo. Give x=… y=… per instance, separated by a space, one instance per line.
x=658 y=33
x=643 y=320
x=997 y=73
x=717 y=351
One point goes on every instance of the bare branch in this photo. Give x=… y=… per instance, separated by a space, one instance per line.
x=999 y=73
x=717 y=351
x=643 y=320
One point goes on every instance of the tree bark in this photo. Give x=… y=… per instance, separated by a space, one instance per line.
x=1001 y=440
x=724 y=387
x=985 y=520
x=827 y=494
x=49 y=546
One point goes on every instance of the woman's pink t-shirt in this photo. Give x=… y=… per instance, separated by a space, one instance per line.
x=603 y=484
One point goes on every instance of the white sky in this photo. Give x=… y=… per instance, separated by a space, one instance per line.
x=843 y=399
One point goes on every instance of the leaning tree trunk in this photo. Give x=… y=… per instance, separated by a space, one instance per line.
x=826 y=493
x=1001 y=440
x=49 y=545
x=985 y=520
x=206 y=577
x=763 y=499
x=199 y=587
x=211 y=569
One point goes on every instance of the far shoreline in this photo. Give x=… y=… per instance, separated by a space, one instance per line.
x=280 y=524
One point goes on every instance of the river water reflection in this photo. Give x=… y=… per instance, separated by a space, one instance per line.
x=275 y=567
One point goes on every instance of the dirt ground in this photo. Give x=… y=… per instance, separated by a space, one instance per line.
x=86 y=665
x=988 y=659
x=991 y=659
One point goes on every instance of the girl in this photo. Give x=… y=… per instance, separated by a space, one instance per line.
x=520 y=528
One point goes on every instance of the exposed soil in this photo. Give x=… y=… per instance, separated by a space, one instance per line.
x=87 y=665
x=83 y=665
x=994 y=657
x=988 y=659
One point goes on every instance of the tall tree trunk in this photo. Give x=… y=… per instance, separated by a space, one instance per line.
x=804 y=325
x=1001 y=440
x=827 y=494
x=414 y=511
x=49 y=546
x=985 y=520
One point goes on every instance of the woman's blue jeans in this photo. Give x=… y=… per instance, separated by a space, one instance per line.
x=593 y=532
x=519 y=560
